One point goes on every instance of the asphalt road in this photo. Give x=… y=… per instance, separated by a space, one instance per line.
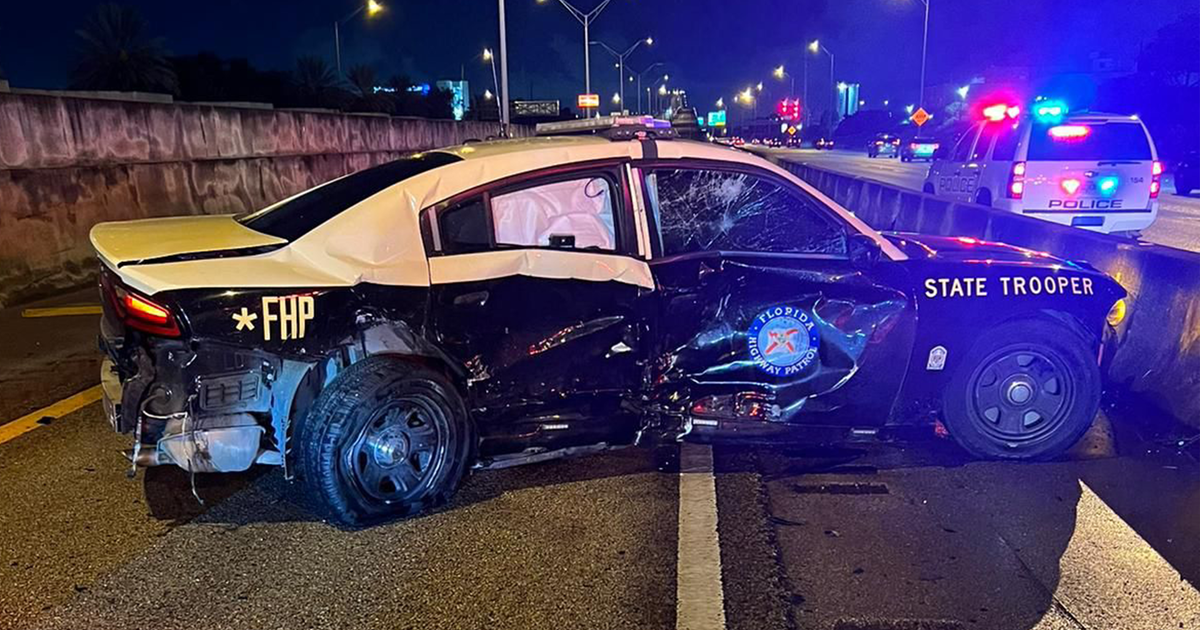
x=1178 y=223
x=903 y=535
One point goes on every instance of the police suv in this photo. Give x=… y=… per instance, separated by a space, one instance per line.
x=512 y=301
x=1096 y=171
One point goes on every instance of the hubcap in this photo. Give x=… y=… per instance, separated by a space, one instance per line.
x=399 y=451
x=1021 y=396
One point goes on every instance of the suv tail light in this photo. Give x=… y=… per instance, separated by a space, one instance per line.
x=1016 y=181
x=1156 y=179
x=139 y=312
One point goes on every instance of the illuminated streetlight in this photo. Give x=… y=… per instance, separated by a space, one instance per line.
x=842 y=86
x=909 y=108
x=621 y=58
x=815 y=47
x=758 y=88
x=662 y=90
x=616 y=99
x=962 y=91
x=487 y=54
x=721 y=103
x=586 y=20
x=372 y=7
x=780 y=73
x=886 y=102
x=487 y=95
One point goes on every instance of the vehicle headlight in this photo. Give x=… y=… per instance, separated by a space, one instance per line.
x=1116 y=314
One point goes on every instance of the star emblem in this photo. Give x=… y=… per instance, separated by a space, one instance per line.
x=245 y=319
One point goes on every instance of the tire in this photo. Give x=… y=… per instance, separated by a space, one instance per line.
x=386 y=439
x=1027 y=390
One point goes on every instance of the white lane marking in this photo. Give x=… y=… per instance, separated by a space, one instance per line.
x=62 y=311
x=1109 y=577
x=699 y=596
x=29 y=422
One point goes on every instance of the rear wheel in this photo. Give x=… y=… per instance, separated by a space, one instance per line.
x=386 y=439
x=1027 y=390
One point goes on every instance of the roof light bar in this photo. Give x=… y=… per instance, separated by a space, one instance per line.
x=603 y=123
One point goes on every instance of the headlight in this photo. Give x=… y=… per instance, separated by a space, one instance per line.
x=1116 y=314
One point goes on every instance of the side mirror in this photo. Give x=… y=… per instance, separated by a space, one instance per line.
x=864 y=251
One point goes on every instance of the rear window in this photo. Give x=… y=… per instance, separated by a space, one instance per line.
x=1089 y=142
x=295 y=218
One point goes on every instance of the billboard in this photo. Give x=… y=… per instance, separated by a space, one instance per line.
x=586 y=101
x=535 y=108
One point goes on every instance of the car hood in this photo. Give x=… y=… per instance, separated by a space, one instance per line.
x=962 y=249
x=176 y=238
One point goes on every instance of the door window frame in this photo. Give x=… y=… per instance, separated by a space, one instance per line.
x=643 y=168
x=624 y=224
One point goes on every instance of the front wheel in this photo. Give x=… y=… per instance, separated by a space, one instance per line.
x=386 y=439
x=1025 y=391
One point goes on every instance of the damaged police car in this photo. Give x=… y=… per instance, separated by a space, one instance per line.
x=512 y=301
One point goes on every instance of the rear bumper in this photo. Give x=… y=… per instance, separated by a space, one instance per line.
x=1105 y=222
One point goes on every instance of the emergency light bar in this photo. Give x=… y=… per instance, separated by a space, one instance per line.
x=613 y=127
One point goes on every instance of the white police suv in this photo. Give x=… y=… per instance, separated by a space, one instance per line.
x=1095 y=171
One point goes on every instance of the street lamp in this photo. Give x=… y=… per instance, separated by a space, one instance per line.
x=622 y=55
x=586 y=19
x=489 y=57
x=816 y=47
x=637 y=74
x=372 y=7
x=962 y=91
x=781 y=74
x=908 y=109
x=487 y=95
x=924 y=47
x=721 y=103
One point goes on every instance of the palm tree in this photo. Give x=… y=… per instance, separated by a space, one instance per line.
x=316 y=83
x=362 y=79
x=114 y=54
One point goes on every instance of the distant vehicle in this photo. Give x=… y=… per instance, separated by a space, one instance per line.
x=823 y=144
x=738 y=141
x=1187 y=173
x=919 y=148
x=1089 y=170
x=884 y=144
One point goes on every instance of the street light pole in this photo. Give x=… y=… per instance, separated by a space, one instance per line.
x=584 y=18
x=924 y=47
x=503 y=71
x=815 y=47
x=621 y=58
x=639 y=84
x=372 y=7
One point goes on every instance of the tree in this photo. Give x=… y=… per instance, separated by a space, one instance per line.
x=362 y=80
x=317 y=85
x=114 y=54
x=1174 y=54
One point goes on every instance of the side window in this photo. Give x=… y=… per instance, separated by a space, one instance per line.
x=575 y=213
x=464 y=227
x=1006 y=143
x=985 y=142
x=706 y=210
x=963 y=148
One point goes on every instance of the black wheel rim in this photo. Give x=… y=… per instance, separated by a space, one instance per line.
x=400 y=451
x=1021 y=396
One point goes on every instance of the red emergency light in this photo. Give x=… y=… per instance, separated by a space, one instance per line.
x=1070 y=132
x=788 y=108
x=1000 y=111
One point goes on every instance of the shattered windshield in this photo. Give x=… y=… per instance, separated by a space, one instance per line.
x=714 y=210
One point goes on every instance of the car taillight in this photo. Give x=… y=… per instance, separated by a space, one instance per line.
x=1016 y=181
x=1070 y=185
x=141 y=313
x=1157 y=169
x=1156 y=180
x=913 y=146
x=896 y=142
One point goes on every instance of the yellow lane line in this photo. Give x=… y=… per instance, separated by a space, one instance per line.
x=27 y=423
x=62 y=311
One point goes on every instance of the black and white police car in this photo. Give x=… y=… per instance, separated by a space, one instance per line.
x=512 y=301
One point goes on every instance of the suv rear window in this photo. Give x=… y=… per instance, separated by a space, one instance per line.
x=292 y=219
x=1102 y=141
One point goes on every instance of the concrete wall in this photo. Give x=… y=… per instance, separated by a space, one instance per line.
x=69 y=163
x=1159 y=353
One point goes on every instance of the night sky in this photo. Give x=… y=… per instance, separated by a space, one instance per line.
x=711 y=47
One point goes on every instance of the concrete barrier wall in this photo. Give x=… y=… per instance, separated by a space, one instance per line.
x=1159 y=353
x=69 y=163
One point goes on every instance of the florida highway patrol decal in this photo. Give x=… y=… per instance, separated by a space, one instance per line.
x=783 y=341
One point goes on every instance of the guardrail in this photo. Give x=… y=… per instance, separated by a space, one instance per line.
x=1159 y=352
